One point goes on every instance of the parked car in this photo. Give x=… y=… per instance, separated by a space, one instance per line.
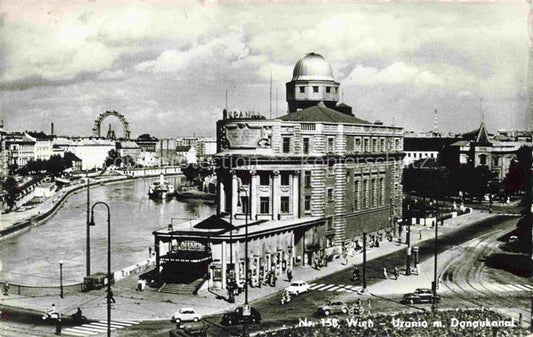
x=186 y=315
x=420 y=295
x=237 y=317
x=297 y=287
x=332 y=308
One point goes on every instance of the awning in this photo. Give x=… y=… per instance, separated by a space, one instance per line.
x=214 y=222
x=189 y=256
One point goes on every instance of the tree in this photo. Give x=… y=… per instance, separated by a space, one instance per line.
x=113 y=158
x=11 y=187
x=515 y=179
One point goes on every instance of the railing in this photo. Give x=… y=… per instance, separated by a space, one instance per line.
x=23 y=290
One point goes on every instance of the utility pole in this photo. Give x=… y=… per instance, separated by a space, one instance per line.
x=434 y=285
x=364 y=262
x=408 y=241
x=88 y=239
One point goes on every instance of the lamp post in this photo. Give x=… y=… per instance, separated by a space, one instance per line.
x=61 y=278
x=247 y=211
x=88 y=238
x=434 y=285
x=91 y=223
x=364 y=262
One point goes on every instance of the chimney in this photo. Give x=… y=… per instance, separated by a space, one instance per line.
x=51 y=129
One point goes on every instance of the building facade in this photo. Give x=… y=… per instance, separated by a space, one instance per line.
x=307 y=184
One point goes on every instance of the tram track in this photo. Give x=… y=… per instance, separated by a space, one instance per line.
x=462 y=276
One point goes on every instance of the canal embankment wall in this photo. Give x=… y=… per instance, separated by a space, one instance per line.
x=41 y=217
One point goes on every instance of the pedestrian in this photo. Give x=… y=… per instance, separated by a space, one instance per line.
x=149 y=252
x=395 y=273
x=6 y=289
x=274 y=278
x=58 y=325
x=385 y=273
x=110 y=296
x=289 y=274
x=52 y=311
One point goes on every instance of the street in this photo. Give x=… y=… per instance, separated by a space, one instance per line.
x=464 y=284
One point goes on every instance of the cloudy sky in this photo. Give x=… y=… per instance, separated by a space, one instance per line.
x=166 y=66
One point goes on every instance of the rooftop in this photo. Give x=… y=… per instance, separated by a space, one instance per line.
x=321 y=113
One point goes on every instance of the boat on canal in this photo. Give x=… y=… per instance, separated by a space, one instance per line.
x=161 y=189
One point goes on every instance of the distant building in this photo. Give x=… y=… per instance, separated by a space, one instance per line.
x=186 y=154
x=92 y=151
x=21 y=148
x=479 y=148
x=43 y=145
x=128 y=148
x=424 y=146
x=205 y=147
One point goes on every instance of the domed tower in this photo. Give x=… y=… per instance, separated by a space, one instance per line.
x=312 y=82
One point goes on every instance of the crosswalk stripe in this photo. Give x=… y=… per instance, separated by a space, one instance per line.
x=70 y=331
x=116 y=323
x=316 y=286
x=327 y=287
x=336 y=287
x=104 y=325
x=94 y=327
x=311 y=284
x=87 y=330
x=528 y=286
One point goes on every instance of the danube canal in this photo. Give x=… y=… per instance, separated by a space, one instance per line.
x=33 y=258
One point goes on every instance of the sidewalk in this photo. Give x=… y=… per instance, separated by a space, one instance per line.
x=46 y=208
x=151 y=305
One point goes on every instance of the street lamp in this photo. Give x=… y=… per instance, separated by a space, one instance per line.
x=364 y=262
x=61 y=278
x=434 y=285
x=247 y=211
x=88 y=236
x=91 y=223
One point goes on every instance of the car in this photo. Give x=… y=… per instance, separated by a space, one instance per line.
x=237 y=317
x=297 y=287
x=186 y=315
x=191 y=329
x=332 y=308
x=420 y=295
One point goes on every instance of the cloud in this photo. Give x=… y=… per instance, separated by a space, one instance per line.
x=396 y=73
x=85 y=58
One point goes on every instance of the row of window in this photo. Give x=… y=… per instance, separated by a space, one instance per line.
x=315 y=89
x=420 y=154
x=264 y=205
x=353 y=144
x=369 y=192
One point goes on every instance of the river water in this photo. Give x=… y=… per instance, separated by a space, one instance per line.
x=33 y=258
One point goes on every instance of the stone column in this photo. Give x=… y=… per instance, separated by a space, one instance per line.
x=295 y=194
x=237 y=260
x=234 y=192
x=254 y=191
x=293 y=251
x=275 y=196
x=221 y=198
x=223 y=263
